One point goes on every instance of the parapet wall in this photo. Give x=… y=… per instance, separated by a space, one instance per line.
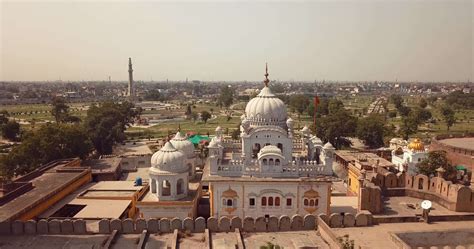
x=455 y=197
x=164 y=225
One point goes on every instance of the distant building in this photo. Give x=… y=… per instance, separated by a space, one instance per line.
x=406 y=155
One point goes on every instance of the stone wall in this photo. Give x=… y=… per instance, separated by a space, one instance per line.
x=164 y=225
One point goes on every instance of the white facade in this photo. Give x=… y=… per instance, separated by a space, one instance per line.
x=269 y=198
x=268 y=162
x=407 y=155
x=181 y=143
x=169 y=174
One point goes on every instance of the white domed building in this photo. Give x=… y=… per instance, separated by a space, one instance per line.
x=181 y=143
x=271 y=172
x=171 y=194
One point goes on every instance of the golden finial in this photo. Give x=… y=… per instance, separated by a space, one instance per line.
x=266 y=81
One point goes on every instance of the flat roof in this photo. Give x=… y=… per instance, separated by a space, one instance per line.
x=103 y=164
x=245 y=178
x=44 y=185
x=99 y=209
x=115 y=185
x=107 y=189
x=349 y=156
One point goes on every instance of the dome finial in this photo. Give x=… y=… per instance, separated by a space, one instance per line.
x=266 y=75
x=179 y=127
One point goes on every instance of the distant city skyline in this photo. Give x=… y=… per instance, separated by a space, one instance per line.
x=384 y=40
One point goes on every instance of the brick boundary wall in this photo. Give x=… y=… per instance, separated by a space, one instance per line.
x=455 y=154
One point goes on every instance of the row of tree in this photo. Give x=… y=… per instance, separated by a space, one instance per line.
x=103 y=127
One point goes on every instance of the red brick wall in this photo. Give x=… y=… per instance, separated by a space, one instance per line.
x=455 y=155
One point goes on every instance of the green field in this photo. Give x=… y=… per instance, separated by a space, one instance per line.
x=40 y=113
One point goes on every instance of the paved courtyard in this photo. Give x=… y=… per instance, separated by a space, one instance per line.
x=378 y=236
x=409 y=206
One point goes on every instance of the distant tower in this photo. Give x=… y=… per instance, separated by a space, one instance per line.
x=131 y=91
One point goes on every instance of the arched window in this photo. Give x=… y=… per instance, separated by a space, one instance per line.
x=277 y=162
x=166 y=188
x=280 y=146
x=264 y=201
x=311 y=203
x=153 y=185
x=180 y=187
x=420 y=183
x=255 y=150
x=305 y=202
x=317 y=202
x=264 y=161
x=229 y=202
x=270 y=201
x=277 y=201
x=270 y=161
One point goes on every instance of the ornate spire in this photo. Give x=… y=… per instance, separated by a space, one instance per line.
x=266 y=81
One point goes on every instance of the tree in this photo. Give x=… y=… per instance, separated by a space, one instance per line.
x=10 y=130
x=397 y=100
x=423 y=103
x=106 y=124
x=335 y=105
x=420 y=115
x=448 y=116
x=404 y=111
x=408 y=127
x=433 y=161
x=226 y=96
x=48 y=143
x=335 y=127
x=60 y=109
x=299 y=103
x=4 y=117
x=371 y=130
x=205 y=115
x=188 y=110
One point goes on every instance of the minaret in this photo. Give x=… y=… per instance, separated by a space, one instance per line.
x=131 y=92
x=266 y=81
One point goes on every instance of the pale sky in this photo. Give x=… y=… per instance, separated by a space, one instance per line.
x=408 y=40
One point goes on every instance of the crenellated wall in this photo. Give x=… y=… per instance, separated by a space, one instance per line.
x=454 y=197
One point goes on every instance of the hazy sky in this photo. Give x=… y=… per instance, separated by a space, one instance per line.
x=333 y=40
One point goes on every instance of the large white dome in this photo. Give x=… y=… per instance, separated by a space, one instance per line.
x=168 y=159
x=181 y=143
x=266 y=109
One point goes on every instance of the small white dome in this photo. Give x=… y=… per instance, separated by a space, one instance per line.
x=213 y=143
x=289 y=121
x=270 y=150
x=328 y=146
x=305 y=129
x=266 y=108
x=218 y=128
x=394 y=140
x=169 y=159
x=181 y=143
